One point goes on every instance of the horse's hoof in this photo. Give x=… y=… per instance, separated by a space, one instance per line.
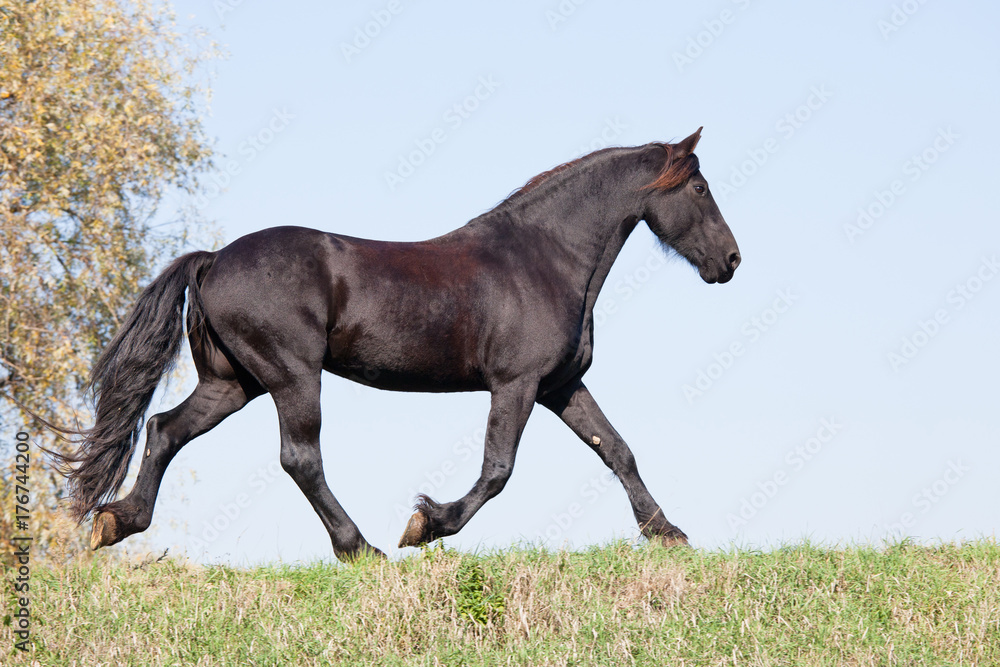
x=106 y=531
x=414 y=534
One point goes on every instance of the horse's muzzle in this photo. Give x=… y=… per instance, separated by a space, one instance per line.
x=720 y=272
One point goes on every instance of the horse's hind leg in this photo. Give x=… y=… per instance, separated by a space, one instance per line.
x=298 y=404
x=282 y=344
x=213 y=400
x=578 y=410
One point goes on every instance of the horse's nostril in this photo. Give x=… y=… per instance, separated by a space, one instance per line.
x=734 y=260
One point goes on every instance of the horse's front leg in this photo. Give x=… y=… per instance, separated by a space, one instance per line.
x=509 y=410
x=578 y=409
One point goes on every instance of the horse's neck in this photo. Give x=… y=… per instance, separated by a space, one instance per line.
x=589 y=230
x=612 y=249
x=578 y=220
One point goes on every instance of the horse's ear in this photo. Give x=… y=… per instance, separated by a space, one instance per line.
x=684 y=148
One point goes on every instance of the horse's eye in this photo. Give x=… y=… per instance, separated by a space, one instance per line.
x=700 y=189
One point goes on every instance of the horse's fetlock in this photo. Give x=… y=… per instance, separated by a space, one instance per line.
x=142 y=521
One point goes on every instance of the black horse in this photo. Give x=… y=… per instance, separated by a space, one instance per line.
x=503 y=304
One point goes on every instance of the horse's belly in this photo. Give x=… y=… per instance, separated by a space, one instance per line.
x=400 y=364
x=394 y=380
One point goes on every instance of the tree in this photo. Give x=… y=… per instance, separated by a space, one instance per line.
x=100 y=119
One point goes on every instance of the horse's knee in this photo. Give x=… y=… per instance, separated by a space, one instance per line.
x=301 y=462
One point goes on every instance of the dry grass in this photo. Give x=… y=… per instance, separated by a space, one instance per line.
x=614 y=605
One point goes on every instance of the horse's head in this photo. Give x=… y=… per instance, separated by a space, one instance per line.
x=680 y=210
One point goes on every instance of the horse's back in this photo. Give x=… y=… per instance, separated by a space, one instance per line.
x=393 y=315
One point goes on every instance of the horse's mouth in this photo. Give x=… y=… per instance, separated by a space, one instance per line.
x=710 y=272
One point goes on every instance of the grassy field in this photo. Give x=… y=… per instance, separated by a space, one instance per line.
x=613 y=605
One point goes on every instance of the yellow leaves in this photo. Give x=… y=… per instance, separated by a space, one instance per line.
x=93 y=92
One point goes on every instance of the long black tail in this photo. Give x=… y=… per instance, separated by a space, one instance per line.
x=126 y=376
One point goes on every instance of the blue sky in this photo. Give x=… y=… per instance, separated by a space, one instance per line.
x=842 y=387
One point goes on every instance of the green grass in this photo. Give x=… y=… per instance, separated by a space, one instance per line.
x=614 y=605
